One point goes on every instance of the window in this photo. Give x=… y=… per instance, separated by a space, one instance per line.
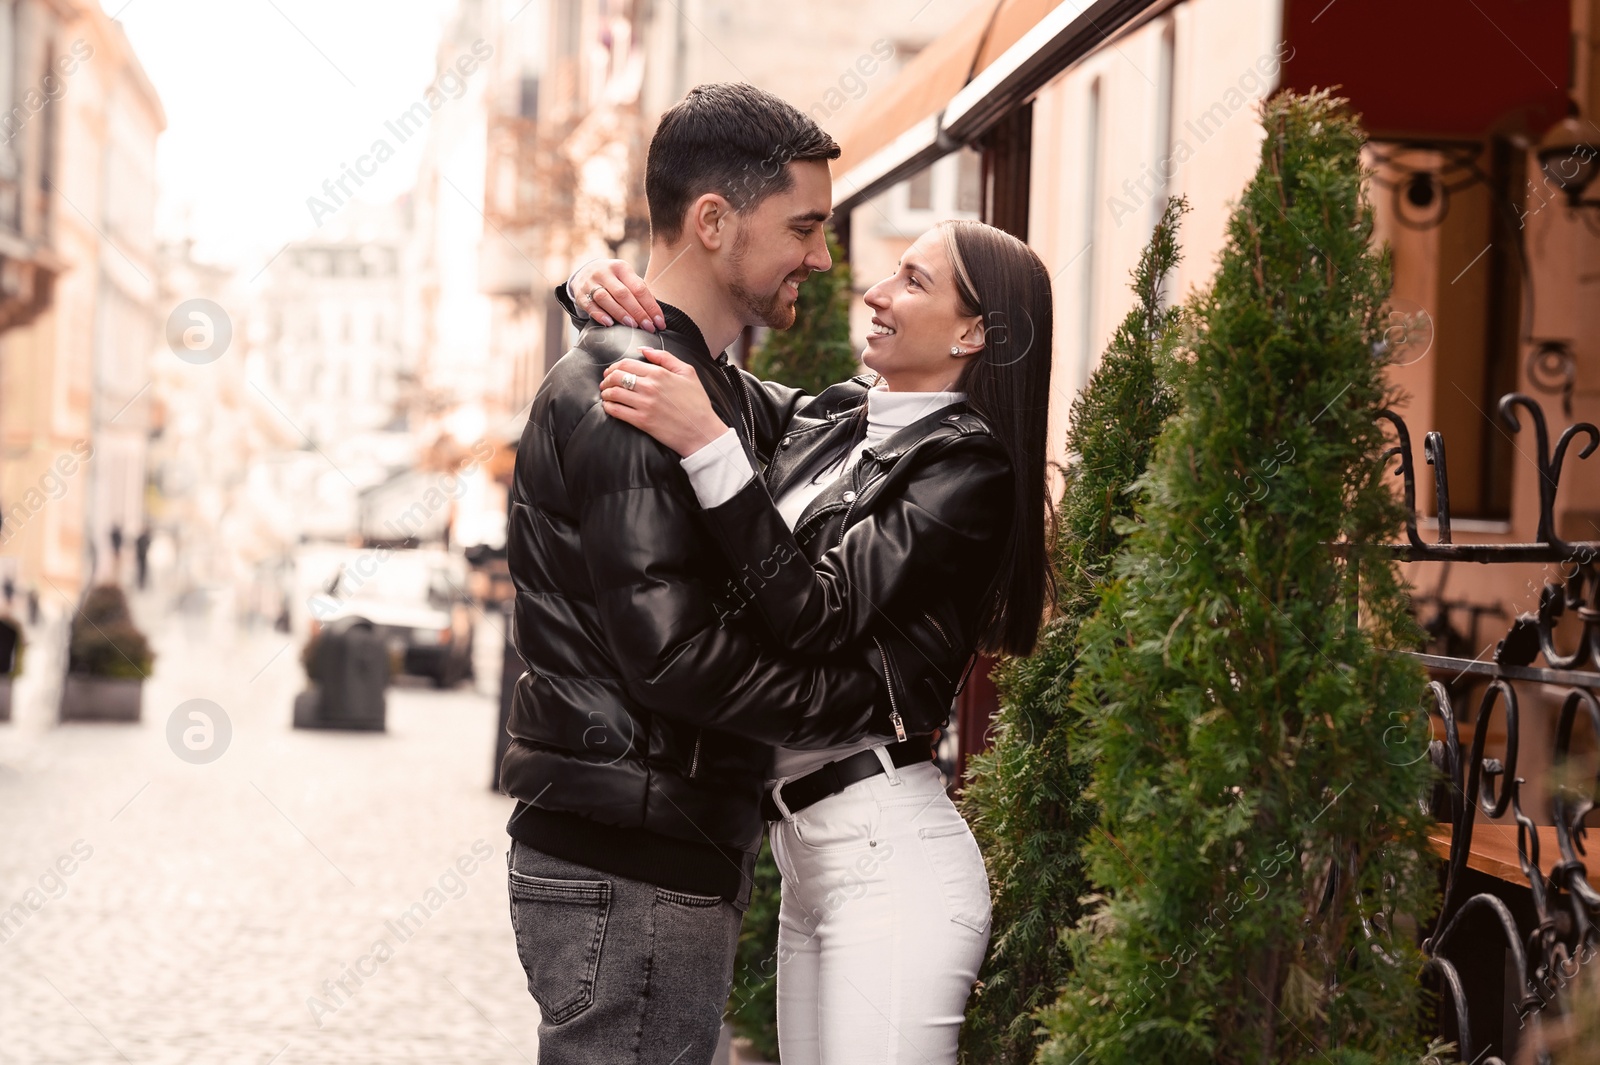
x=1091 y=198
x=969 y=181
x=919 y=190
x=1163 y=144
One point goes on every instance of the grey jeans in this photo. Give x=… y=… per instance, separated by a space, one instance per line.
x=624 y=972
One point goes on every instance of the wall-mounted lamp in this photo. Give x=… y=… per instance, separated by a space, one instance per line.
x=1570 y=160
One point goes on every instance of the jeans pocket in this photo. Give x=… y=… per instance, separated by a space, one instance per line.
x=560 y=927
x=958 y=866
x=840 y=822
x=683 y=898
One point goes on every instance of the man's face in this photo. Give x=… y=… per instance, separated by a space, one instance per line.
x=777 y=244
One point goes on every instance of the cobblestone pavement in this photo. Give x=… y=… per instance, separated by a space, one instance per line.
x=174 y=912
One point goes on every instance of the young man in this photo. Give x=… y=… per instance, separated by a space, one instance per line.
x=643 y=729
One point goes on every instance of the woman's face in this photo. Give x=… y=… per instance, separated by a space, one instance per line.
x=917 y=318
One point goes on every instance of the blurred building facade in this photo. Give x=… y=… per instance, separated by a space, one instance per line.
x=331 y=331
x=1085 y=118
x=79 y=316
x=575 y=92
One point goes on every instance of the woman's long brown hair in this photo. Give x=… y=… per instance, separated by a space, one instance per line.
x=1008 y=383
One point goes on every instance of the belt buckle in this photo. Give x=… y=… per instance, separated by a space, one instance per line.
x=777 y=799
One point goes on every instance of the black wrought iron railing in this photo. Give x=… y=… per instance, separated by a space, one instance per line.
x=1516 y=926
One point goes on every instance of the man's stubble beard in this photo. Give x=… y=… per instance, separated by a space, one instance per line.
x=769 y=310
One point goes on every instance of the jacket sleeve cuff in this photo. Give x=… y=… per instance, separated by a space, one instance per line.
x=718 y=470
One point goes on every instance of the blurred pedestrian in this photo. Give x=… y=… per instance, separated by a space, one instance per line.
x=141 y=556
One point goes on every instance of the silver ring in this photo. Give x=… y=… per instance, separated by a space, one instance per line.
x=628 y=381
x=594 y=292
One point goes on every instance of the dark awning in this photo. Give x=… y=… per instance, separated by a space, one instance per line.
x=982 y=68
x=1436 y=69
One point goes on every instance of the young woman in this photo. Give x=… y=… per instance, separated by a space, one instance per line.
x=907 y=510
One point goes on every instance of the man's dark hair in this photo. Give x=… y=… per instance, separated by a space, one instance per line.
x=729 y=138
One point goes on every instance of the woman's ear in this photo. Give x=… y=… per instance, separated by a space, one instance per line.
x=972 y=338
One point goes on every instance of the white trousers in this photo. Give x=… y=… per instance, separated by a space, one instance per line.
x=883 y=924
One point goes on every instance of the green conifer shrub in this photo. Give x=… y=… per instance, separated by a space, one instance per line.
x=753 y=1000
x=104 y=641
x=1024 y=798
x=816 y=351
x=1263 y=856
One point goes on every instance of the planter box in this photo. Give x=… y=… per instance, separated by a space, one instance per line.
x=100 y=698
x=309 y=713
x=5 y=699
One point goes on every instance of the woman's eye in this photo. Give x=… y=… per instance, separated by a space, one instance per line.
x=911 y=281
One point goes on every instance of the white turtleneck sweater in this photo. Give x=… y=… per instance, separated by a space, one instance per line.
x=721 y=468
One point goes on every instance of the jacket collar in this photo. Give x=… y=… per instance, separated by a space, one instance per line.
x=682 y=337
x=806 y=445
x=679 y=322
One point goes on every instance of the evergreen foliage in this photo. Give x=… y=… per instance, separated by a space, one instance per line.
x=1263 y=854
x=1024 y=797
x=816 y=351
x=104 y=641
x=753 y=1002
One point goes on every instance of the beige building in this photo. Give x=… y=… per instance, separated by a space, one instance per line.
x=1483 y=148
x=574 y=97
x=74 y=376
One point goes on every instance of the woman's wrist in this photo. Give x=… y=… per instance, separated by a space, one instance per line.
x=706 y=434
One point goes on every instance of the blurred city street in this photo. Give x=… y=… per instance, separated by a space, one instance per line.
x=297 y=300
x=208 y=904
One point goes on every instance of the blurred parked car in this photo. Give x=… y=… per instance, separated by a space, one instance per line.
x=418 y=602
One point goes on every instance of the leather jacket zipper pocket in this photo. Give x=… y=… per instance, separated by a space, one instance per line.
x=694 y=759
x=938 y=628
x=888 y=683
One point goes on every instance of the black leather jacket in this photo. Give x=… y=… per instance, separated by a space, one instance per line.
x=896 y=554
x=642 y=730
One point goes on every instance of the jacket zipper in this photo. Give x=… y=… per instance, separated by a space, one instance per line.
x=694 y=760
x=894 y=708
x=938 y=628
x=857 y=491
x=846 y=523
x=737 y=385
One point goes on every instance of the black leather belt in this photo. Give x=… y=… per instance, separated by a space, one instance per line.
x=834 y=777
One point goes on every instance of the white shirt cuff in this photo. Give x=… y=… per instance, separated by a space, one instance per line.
x=573 y=296
x=719 y=470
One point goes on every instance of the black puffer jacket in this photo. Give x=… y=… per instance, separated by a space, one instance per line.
x=640 y=733
x=897 y=553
